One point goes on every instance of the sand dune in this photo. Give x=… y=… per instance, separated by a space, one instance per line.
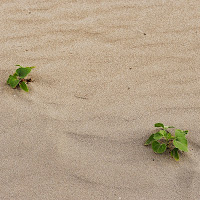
x=106 y=71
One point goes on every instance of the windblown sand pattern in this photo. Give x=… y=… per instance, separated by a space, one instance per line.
x=106 y=72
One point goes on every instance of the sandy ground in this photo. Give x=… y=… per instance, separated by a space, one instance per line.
x=107 y=70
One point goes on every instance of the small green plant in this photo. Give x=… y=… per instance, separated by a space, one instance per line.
x=163 y=139
x=18 y=78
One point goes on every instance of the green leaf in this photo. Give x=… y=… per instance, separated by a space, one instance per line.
x=166 y=127
x=158 y=148
x=13 y=81
x=169 y=136
x=181 y=143
x=150 y=140
x=174 y=154
x=23 y=86
x=15 y=75
x=159 y=125
x=8 y=81
x=23 y=71
x=157 y=136
x=163 y=132
x=180 y=133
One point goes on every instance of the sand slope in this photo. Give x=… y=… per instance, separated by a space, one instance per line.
x=106 y=72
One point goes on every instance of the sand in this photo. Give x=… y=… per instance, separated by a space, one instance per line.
x=106 y=71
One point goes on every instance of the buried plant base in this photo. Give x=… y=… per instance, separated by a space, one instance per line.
x=18 y=78
x=163 y=139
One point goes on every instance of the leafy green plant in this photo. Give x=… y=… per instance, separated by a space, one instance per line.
x=18 y=78
x=163 y=139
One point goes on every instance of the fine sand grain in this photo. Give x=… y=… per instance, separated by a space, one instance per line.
x=107 y=70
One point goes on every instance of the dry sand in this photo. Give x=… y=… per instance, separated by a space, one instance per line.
x=106 y=72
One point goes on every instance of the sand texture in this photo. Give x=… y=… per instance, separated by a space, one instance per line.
x=106 y=71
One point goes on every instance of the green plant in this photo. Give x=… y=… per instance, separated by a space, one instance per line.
x=18 y=78
x=163 y=139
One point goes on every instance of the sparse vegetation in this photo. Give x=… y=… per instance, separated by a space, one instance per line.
x=18 y=78
x=163 y=139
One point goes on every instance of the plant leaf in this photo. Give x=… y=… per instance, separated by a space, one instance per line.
x=180 y=133
x=13 y=81
x=150 y=140
x=158 y=148
x=23 y=71
x=181 y=143
x=159 y=125
x=169 y=136
x=174 y=154
x=166 y=127
x=15 y=75
x=158 y=136
x=163 y=132
x=23 y=86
